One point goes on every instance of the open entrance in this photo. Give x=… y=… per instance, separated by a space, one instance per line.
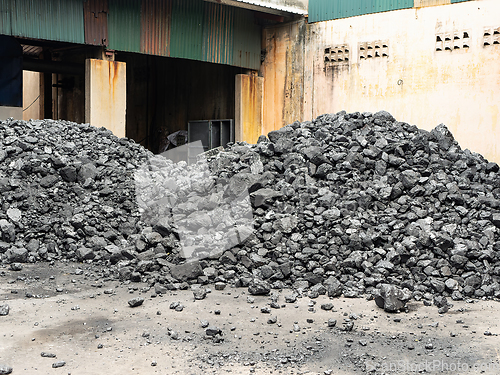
x=165 y=94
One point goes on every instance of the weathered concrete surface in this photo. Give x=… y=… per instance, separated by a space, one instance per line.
x=105 y=91
x=283 y=71
x=415 y=82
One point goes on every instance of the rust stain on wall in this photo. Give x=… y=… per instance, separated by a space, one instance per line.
x=283 y=70
x=249 y=120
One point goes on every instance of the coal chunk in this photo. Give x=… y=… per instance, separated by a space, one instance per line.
x=259 y=287
x=137 y=301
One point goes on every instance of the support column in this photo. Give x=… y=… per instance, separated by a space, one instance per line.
x=105 y=95
x=249 y=108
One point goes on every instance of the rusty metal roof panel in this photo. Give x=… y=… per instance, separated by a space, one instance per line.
x=218 y=33
x=96 y=22
x=186 y=37
x=49 y=19
x=124 y=25
x=156 y=18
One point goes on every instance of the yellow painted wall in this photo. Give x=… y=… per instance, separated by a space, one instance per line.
x=416 y=83
x=105 y=92
x=248 y=109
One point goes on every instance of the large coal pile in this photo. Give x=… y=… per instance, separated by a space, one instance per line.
x=341 y=205
x=67 y=191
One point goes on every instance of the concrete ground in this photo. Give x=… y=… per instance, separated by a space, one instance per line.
x=84 y=320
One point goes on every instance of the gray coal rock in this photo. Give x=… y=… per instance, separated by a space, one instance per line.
x=4 y=310
x=259 y=288
x=391 y=298
x=5 y=370
x=135 y=302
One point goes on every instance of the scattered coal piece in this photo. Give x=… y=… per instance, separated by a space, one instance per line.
x=137 y=301
x=58 y=364
x=16 y=266
x=259 y=287
x=327 y=306
x=199 y=293
x=4 y=310
x=212 y=331
x=5 y=370
x=332 y=322
x=391 y=298
x=47 y=355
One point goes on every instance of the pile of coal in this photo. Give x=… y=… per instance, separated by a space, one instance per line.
x=340 y=205
x=67 y=192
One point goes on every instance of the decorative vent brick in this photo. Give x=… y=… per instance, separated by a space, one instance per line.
x=452 y=41
x=337 y=55
x=491 y=36
x=373 y=50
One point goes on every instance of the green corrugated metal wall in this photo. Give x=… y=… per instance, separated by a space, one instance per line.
x=324 y=10
x=458 y=1
x=124 y=25
x=186 y=37
x=48 y=19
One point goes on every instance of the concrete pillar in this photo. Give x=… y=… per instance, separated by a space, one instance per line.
x=32 y=95
x=249 y=108
x=105 y=95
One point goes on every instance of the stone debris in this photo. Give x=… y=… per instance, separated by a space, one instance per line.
x=342 y=205
x=4 y=310
x=137 y=301
x=58 y=364
x=392 y=298
x=47 y=355
x=5 y=370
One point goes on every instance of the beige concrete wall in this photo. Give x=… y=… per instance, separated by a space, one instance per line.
x=415 y=82
x=31 y=95
x=105 y=95
x=283 y=70
x=248 y=108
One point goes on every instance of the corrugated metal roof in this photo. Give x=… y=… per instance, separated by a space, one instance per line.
x=124 y=25
x=268 y=6
x=96 y=22
x=48 y=19
x=324 y=10
x=155 y=27
x=186 y=37
x=218 y=34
